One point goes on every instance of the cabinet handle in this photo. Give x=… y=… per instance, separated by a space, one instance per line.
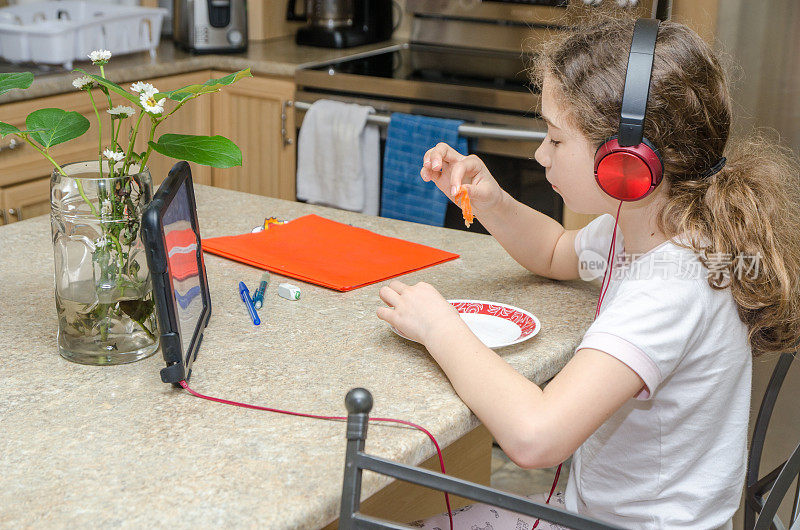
x=287 y=141
x=12 y=145
x=15 y=211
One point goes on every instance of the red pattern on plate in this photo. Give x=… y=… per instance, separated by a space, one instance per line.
x=526 y=324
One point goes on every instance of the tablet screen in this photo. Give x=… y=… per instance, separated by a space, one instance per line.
x=184 y=274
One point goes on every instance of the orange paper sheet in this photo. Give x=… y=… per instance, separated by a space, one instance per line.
x=324 y=252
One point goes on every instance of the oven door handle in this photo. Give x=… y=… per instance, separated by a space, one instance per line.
x=465 y=129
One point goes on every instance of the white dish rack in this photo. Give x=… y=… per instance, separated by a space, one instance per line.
x=60 y=32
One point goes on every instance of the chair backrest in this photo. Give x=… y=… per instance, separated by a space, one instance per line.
x=359 y=404
x=788 y=473
x=777 y=481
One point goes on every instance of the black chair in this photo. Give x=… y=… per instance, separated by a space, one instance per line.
x=359 y=403
x=778 y=481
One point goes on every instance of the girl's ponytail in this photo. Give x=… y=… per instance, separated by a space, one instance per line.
x=744 y=223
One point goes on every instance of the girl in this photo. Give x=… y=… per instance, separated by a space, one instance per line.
x=654 y=405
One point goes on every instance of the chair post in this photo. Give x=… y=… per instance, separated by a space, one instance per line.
x=359 y=404
x=753 y=499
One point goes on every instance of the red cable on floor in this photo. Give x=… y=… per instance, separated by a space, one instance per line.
x=318 y=417
x=609 y=268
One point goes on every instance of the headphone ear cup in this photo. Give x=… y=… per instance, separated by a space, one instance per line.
x=627 y=173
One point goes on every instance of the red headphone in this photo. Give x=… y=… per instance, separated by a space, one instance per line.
x=627 y=166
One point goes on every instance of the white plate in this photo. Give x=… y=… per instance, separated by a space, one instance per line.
x=495 y=324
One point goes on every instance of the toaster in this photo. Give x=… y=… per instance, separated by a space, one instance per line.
x=205 y=26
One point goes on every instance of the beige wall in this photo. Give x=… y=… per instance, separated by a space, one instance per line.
x=759 y=42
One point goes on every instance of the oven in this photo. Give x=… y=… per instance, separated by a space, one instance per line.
x=463 y=62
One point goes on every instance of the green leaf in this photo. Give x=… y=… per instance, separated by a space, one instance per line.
x=137 y=310
x=212 y=85
x=15 y=80
x=214 y=151
x=7 y=128
x=111 y=86
x=55 y=126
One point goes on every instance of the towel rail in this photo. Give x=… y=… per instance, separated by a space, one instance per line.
x=466 y=130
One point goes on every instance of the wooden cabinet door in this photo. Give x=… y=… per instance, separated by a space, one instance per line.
x=256 y=114
x=24 y=163
x=24 y=201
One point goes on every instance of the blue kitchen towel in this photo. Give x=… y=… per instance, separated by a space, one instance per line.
x=404 y=195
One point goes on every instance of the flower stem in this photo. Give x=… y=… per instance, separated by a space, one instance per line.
x=43 y=153
x=99 y=134
x=149 y=333
x=173 y=111
x=110 y=106
x=126 y=164
x=116 y=136
x=119 y=249
x=60 y=170
x=85 y=198
x=154 y=124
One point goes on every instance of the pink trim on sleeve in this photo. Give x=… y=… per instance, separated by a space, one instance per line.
x=621 y=349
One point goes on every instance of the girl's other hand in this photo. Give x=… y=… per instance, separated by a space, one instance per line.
x=450 y=170
x=417 y=311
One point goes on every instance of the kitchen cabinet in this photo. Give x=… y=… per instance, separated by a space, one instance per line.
x=24 y=172
x=24 y=201
x=257 y=114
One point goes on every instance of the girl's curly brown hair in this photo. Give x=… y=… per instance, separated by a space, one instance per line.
x=749 y=211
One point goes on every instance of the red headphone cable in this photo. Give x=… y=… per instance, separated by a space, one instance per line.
x=337 y=418
x=607 y=272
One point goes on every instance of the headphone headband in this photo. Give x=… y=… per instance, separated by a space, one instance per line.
x=637 y=81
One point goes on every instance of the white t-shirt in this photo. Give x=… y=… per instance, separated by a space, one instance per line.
x=675 y=456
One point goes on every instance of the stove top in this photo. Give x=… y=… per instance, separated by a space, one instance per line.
x=441 y=74
x=440 y=64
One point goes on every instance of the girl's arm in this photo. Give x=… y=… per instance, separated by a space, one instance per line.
x=536 y=428
x=535 y=240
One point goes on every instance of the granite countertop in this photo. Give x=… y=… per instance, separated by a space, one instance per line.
x=114 y=446
x=278 y=57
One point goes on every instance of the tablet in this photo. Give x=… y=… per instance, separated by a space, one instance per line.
x=171 y=237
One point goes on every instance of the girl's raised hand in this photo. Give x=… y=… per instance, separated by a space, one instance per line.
x=450 y=170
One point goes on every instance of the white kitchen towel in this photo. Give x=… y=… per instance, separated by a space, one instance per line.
x=338 y=157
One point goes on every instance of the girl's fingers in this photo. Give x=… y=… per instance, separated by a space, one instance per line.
x=387 y=314
x=429 y=175
x=438 y=155
x=389 y=295
x=469 y=165
x=398 y=286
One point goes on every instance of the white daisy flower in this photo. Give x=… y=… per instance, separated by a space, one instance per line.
x=141 y=86
x=121 y=111
x=100 y=56
x=83 y=82
x=149 y=103
x=116 y=156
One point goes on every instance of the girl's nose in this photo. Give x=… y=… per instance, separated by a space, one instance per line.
x=541 y=156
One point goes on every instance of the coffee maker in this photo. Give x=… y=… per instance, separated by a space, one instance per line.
x=343 y=23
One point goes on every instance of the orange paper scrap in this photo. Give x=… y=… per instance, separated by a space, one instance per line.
x=324 y=252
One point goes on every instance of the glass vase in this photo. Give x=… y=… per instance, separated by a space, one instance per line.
x=103 y=292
